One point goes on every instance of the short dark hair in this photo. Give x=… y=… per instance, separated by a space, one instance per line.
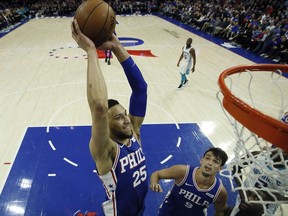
x=112 y=102
x=219 y=153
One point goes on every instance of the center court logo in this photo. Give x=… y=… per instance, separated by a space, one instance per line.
x=64 y=53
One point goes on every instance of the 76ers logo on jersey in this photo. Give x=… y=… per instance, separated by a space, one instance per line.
x=194 y=198
x=131 y=161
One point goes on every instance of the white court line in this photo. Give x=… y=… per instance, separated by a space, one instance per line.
x=39 y=88
x=51 y=145
x=66 y=105
x=166 y=159
x=51 y=174
x=63 y=107
x=163 y=110
x=82 y=98
x=71 y=162
x=178 y=142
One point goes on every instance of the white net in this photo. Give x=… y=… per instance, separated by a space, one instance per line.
x=259 y=169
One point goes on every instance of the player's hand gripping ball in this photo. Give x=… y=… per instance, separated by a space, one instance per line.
x=96 y=20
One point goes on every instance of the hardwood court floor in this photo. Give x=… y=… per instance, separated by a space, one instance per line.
x=43 y=79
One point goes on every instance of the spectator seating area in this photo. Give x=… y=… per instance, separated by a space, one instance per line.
x=259 y=26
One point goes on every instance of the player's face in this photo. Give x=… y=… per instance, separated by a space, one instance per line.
x=189 y=42
x=119 y=122
x=210 y=165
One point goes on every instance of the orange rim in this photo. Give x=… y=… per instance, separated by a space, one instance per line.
x=270 y=129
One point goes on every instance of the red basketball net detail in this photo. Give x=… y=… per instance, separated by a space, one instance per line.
x=269 y=128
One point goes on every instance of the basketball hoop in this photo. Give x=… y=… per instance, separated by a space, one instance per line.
x=268 y=128
x=260 y=127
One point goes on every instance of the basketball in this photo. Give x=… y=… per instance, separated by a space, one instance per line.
x=96 y=19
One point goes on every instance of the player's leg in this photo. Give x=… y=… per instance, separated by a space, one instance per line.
x=183 y=77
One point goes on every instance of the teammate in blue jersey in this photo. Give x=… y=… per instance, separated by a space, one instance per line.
x=115 y=141
x=194 y=187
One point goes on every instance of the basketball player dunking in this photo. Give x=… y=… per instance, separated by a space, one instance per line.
x=115 y=141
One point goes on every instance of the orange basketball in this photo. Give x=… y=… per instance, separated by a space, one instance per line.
x=96 y=20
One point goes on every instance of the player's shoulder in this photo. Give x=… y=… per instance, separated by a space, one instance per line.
x=192 y=50
x=223 y=190
x=222 y=196
x=181 y=167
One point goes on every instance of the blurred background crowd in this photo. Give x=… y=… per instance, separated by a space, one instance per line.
x=259 y=26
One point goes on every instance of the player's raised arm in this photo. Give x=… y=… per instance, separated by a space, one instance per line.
x=220 y=203
x=138 y=98
x=100 y=143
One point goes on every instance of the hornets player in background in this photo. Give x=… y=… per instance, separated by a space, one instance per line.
x=115 y=140
x=260 y=181
x=187 y=58
x=194 y=187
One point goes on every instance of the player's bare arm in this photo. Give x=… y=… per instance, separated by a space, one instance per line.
x=181 y=57
x=101 y=146
x=193 y=54
x=176 y=172
x=220 y=204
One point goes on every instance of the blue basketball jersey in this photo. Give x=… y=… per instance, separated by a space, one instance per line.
x=126 y=184
x=187 y=199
